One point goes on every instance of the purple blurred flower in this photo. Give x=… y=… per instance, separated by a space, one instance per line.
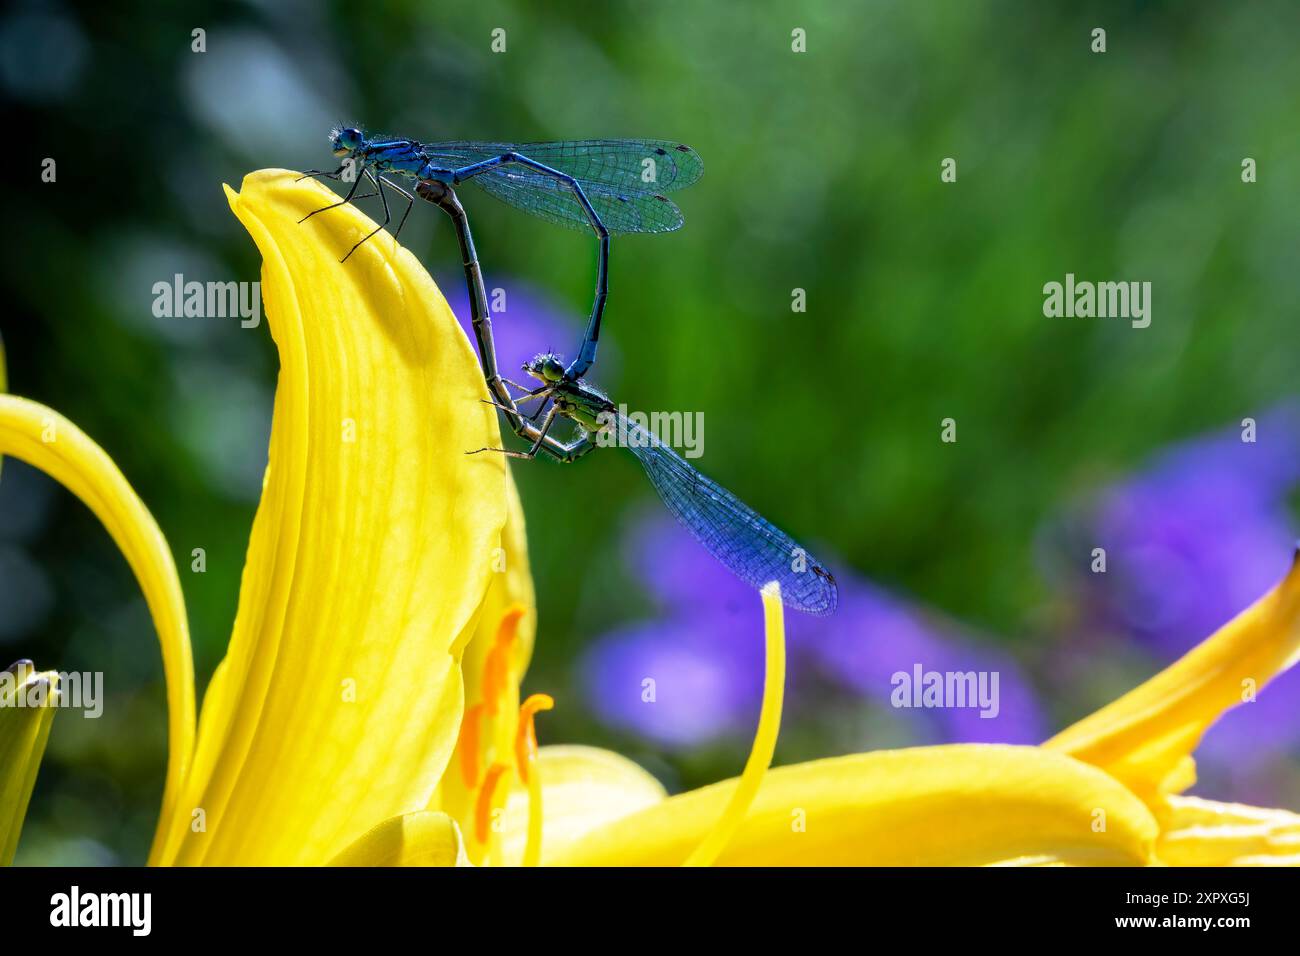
x=1199 y=535
x=705 y=655
x=876 y=635
x=1192 y=541
x=705 y=684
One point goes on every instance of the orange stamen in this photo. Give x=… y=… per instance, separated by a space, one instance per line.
x=471 y=732
x=496 y=668
x=526 y=761
x=526 y=734
x=483 y=811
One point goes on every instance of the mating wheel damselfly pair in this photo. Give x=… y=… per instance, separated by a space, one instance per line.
x=601 y=184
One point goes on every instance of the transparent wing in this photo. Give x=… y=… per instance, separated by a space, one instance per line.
x=751 y=546
x=549 y=199
x=627 y=166
x=626 y=194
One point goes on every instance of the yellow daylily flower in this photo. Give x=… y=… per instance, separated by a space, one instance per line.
x=380 y=570
x=27 y=703
x=46 y=440
x=1101 y=792
x=1200 y=832
x=1146 y=737
x=962 y=804
x=987 y=804
x=374 y=552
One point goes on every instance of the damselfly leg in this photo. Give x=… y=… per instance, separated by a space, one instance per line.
x=566 y=452
x=410 y=203
x=334 y=205
x=315 y=173
x=380 y=182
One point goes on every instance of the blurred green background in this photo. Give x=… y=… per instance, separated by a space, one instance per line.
x=924 y=301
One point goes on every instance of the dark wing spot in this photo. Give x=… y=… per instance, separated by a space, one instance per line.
x=662 y=198
x=661 y=151
x=622 y=199
x=683 y=149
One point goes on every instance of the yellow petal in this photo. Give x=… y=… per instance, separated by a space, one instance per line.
x=48 y=441
x=1205 y=833
x=423 y=838
x=1146 y=737
x=583 y=789
x=512 y=584
x=959 y=805
x=26 y=711
x=1198 y=832
x=4 y=382
x=340 y=696
x=511 y=587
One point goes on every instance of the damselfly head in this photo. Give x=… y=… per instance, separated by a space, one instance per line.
x=545 y=366
x=345 y=140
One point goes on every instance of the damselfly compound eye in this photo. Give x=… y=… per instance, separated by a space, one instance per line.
x=346 y=140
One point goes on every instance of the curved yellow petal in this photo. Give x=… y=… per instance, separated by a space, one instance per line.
x=46 y=440
x=1198 y=832
x=511 y=591
x=422 y=838
x=583 y=789
x=1146 y=737
x=512 y=584
x=340 y=696
x=958 y=805
x=511 y=587
x=26 y=712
